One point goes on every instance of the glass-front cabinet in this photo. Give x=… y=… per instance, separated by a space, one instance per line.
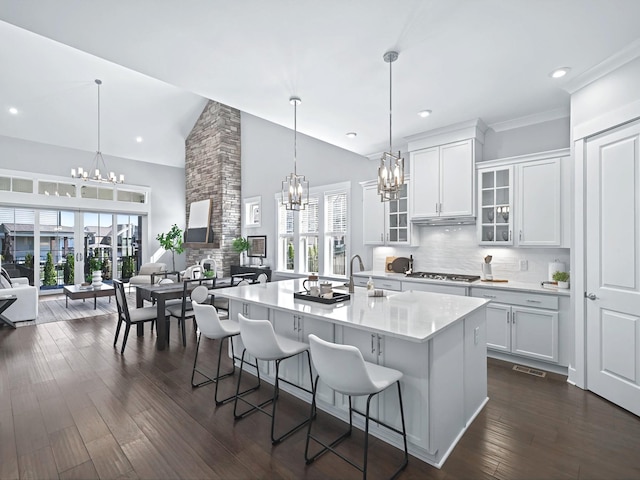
x=495 y=190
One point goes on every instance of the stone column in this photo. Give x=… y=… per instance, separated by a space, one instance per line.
x=212 y=170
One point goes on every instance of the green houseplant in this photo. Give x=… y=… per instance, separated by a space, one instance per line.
x=562 y=278
x=172 y=241
x=241 y=245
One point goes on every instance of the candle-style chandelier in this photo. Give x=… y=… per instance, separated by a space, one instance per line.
x=94 y=174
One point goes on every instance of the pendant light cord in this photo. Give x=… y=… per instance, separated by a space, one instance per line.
x=390 y=105
x=99 y=82
x=295 y=137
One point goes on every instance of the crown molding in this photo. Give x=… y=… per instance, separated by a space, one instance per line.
x=615 y=61
x=562 y=112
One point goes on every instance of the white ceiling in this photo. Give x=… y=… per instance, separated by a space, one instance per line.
x=460 y=58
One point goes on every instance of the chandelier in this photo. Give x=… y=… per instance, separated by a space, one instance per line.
x=391 y=169
x=98 y=161
x=295 y=188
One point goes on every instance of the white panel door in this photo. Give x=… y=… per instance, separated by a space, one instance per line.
x=539 y=203
x=499 y=327
x=425 y=179
x=613 y=266
x=457 y=179
x=534 y=333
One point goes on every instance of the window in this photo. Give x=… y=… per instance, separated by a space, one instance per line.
x=286 y=250
x=315 y=240
x=335 y=232
x=309 y=235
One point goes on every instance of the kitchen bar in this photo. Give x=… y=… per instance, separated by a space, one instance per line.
x=436 y=340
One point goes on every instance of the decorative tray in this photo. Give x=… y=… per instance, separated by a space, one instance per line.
x=337 y=298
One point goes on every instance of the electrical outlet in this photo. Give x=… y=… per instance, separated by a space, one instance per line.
x=524 y=265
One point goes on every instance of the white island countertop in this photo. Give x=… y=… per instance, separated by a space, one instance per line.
x=413 y=316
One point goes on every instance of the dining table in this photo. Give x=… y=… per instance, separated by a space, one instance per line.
x=160 y=294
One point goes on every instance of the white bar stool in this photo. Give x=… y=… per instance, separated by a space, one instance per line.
x=342 y=368
x=261 y=341
x=215 y=327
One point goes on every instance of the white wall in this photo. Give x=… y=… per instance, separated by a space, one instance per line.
x=551 y=135
x=607 y=94
x=167 y=183
x=267 y=157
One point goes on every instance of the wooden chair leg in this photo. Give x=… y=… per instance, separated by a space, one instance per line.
x=126 y=335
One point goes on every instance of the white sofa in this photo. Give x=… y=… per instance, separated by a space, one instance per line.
x=26 y=306
x=148 y=270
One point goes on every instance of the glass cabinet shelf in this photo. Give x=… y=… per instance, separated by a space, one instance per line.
x=496 y=200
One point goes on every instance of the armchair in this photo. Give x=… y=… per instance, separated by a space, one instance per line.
x=148 y=273
x=26 y=306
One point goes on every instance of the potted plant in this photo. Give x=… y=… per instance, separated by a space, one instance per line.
x=128 y=267
x=562 y=278
x=172 y=241
x=95 y=267
x=241 y=245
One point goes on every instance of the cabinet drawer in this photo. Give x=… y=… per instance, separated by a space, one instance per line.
x=537 y=300
x=434 y=288
x=387 y=284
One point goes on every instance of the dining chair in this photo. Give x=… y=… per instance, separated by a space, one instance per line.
x=343 y=369
x=184 y=310
x=261 y=342
x=262 y=278
x=129 y=316
x=242 y=283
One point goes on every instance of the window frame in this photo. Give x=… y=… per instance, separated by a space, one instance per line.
x=300 y=261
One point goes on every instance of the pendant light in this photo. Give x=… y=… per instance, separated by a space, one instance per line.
x=391 y=169
x=295 y=188
x=98 y=161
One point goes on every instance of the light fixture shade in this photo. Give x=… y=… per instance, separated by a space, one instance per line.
x=390 y=176
x=295 y=192
x=391 y=169
x=295 y=188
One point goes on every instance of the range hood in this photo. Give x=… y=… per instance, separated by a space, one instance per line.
x=434 y=221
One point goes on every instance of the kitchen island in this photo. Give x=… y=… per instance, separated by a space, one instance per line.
x=436 y=340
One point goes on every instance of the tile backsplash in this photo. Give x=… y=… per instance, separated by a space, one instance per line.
x=455 y=249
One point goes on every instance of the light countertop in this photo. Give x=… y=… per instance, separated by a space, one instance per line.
x=510 y=285
x=413 y=316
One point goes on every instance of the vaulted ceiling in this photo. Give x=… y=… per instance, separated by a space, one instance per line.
x=161 y=59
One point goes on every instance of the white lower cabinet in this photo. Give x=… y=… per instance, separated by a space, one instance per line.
x=298 y=327
x=411 y=359
x=254 y=312
x=525 y=331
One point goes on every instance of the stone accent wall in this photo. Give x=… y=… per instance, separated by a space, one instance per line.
x=212 y=170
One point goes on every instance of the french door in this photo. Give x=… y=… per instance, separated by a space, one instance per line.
x=613 y=265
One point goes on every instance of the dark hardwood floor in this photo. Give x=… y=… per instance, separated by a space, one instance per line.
x=72 y=407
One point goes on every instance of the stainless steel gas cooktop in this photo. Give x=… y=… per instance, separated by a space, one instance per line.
x=454 y=277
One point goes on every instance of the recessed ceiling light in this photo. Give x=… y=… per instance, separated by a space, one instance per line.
x=560 y=72
x=139 y=139
x=13 y=110
x=352 y=134
x=424 y=113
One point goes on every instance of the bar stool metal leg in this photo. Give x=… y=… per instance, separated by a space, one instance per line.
x=273 y=400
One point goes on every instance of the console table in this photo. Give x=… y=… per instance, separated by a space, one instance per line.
x=237 y=270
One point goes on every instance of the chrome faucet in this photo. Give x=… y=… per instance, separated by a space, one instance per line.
x=351 y=286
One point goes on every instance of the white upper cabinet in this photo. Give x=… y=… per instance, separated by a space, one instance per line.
x=386 y=223
x=539 y=203
x=534 y=191
x=444 y=181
